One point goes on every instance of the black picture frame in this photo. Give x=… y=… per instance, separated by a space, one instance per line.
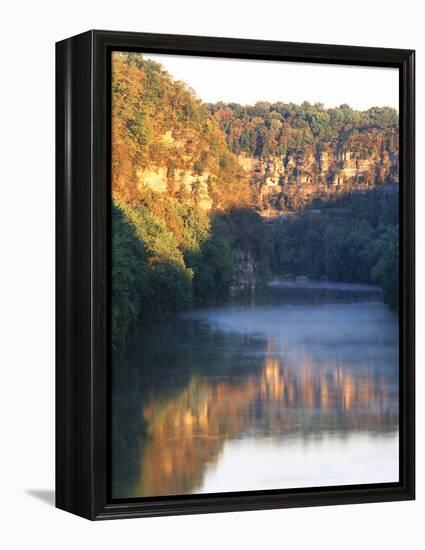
x=83 y=155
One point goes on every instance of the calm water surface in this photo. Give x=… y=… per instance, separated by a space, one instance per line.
x=297 y=389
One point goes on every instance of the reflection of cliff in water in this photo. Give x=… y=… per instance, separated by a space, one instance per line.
x=186 y=433
x=304 y=379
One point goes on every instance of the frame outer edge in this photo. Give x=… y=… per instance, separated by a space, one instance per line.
x=82 y=202
x=408 y=270
x=74 y=465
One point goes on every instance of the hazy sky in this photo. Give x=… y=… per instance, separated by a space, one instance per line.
x=247 y=81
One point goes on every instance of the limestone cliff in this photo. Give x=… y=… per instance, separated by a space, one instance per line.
x=191 y=187
x=294 y=180
x=247 y=274
x=287 y=182
x=276 y=157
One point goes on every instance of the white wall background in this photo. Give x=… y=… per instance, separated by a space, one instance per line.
x=28 y=32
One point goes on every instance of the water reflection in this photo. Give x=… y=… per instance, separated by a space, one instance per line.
x=189 y=391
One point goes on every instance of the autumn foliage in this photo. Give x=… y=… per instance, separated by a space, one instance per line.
x=159 y=123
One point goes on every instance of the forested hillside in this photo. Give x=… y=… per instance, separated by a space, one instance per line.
x=192 y=184
x=270 y=129
x=299 y=153
x=164 y=139
x=182 y=222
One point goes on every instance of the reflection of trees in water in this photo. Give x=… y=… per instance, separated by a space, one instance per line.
x=158 y=366
x=187 y=432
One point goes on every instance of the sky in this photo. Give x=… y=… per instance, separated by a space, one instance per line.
x=248 y=81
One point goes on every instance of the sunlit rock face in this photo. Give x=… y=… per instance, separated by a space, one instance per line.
x=155 y=179
x=294 y=180
x=191 y=187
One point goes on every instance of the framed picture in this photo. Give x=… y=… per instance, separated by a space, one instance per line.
x=235 y=274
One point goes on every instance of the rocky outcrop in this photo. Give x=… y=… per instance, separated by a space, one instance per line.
x=247 y=273
x=189 y=186
x=288 y=182
x=293 y=181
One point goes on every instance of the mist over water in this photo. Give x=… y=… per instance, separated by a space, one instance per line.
x=298 y=388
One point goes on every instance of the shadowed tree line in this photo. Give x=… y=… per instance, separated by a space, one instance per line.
x=158 y=270
x=354 y=238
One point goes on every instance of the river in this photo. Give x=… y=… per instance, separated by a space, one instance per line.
x=298 y=388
